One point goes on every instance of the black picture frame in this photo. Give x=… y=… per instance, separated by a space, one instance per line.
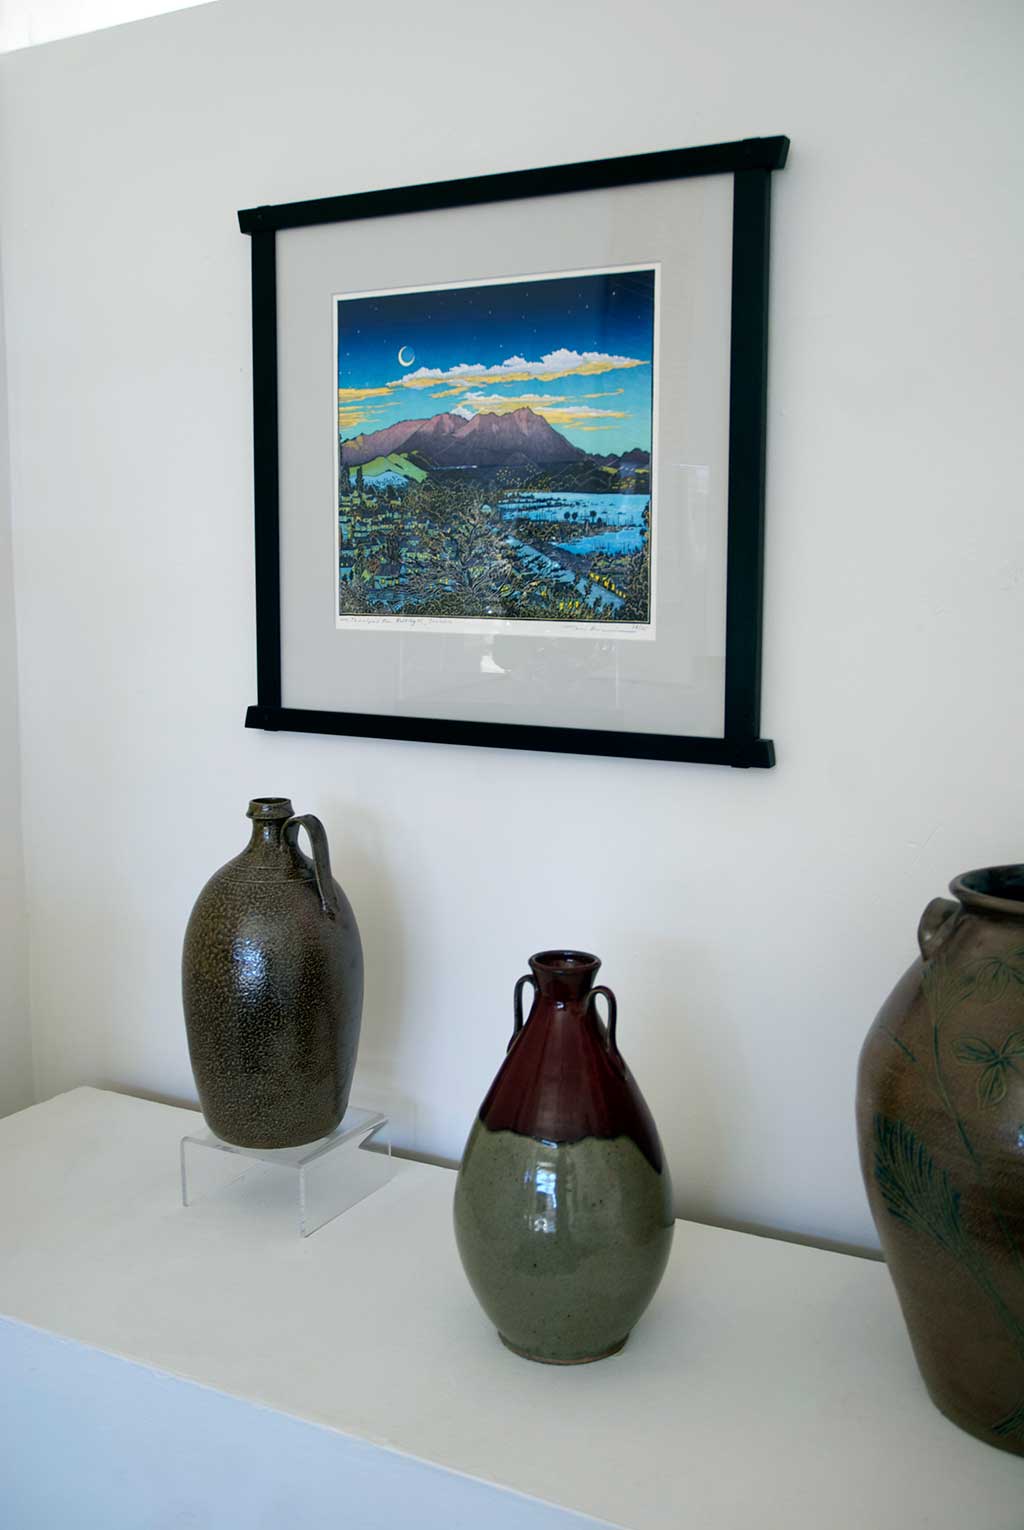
x=751 y=163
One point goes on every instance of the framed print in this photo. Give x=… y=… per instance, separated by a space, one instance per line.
x=509 y=447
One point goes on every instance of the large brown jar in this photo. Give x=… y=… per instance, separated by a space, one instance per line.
x=940 y=1110
x=272 y=982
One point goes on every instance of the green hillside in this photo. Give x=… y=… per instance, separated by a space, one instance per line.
x=394 y=463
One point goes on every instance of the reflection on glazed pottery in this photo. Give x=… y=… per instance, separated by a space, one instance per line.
x=940 y=1108
x=563 y=1204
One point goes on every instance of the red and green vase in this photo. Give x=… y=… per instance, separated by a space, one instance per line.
x=563 y=1204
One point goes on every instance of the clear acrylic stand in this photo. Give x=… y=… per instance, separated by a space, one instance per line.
x=318 y=1181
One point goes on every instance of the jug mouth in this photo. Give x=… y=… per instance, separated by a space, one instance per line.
x=264 y=808
x=991 y=889
x=565 y=962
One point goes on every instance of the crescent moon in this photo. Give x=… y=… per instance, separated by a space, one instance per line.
x=403 y=359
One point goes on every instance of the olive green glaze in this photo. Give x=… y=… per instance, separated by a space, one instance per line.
x=564 y=1244
x=272 y=983
x=940 y=1109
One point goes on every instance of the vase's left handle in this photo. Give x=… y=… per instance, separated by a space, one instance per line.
x=613 y=1014
x=936 y=923
x=517 y=1003
x=321 y=858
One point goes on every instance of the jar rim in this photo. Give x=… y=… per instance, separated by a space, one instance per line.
x=565 y=961
x=991 y=889
x=270 y=808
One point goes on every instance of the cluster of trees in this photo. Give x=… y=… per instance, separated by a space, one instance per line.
x=555 y=531
x=452 y=547
x=636 y=577
x=630 y=576
x=448 y=537
x=466 y=565
x=345 y=481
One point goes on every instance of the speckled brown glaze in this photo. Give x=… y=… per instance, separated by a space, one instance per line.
x=940 y=1111
x=563 y=1204
x=272 y=983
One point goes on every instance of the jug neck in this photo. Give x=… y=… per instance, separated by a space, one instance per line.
x=269 y=816
x=564 y=978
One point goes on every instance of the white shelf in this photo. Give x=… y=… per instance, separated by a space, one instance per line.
x=769 y=1384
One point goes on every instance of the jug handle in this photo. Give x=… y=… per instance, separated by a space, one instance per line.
x=321 y=858
x=613 y=1014
x=936 y=923
x=517 y=1003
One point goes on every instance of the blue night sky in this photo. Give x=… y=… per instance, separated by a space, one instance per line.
x=576 y=349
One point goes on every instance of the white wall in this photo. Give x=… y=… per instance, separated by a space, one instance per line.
x=750 y=922
x=27 y=23
x=15 y=1032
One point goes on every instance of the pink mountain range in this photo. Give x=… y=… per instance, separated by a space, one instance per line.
x=485 y=440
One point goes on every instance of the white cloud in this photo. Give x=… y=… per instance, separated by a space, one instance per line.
x=559 y=363
x=479 y=400
x=548 y=404
x=570 y=361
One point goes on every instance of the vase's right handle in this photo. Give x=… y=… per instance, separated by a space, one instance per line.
x=517 y=1003
x=936 y=923
x=613 y=1014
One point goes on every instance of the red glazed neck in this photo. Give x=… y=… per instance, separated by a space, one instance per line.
x=564 y=1079
x=565 y=977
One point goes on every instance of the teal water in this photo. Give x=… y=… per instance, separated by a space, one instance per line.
x=607 y=509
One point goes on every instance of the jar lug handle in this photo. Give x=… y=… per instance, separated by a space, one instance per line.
x=613 y=1014
x=517 y=1003
x=321 y=858
x=936 y=923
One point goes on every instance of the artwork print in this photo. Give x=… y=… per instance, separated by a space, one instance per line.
x=494 y=461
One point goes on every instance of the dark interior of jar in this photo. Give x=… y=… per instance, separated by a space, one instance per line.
x=997 y=882
x=565 y=960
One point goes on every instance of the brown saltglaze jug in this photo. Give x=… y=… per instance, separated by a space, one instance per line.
x=563 y=1204
x=272 y=982
x=940 y=1111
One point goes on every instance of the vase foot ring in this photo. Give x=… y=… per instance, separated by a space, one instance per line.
x=547 y=1360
